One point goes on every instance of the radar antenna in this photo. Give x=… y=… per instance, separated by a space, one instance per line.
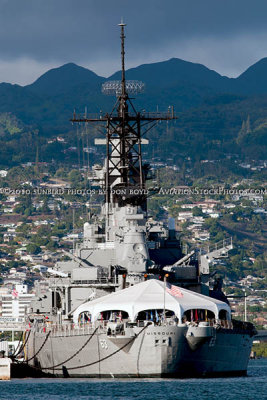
x=123 y=87
x=114 y=87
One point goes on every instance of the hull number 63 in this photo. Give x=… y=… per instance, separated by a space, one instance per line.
x=103 y=344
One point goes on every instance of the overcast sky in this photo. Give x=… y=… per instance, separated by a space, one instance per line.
x=36 y=35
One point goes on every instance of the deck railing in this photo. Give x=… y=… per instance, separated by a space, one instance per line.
x=71 y=329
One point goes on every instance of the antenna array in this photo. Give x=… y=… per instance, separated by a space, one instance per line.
x=115 y=87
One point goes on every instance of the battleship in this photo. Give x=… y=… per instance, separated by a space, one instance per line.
x=127 y=302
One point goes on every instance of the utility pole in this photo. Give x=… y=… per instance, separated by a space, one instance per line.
x=37 y=155
x=245 y=305
x=164 y=297
x=73 y=222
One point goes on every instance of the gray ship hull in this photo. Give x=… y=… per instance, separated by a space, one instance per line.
x=153 y=351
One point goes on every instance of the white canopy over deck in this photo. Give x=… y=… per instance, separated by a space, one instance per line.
x=149 y=295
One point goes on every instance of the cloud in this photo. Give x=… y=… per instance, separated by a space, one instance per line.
x=23 y=71
x=228 y=56
x=225 y=35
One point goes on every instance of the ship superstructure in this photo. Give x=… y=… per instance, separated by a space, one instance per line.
x=121 y=246
x=120 y=249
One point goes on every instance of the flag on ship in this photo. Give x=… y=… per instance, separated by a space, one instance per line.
x=174 y=290
x=15 y=293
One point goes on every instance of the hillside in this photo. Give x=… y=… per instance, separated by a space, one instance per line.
x=253 y=80
x=58 y=81
x=212 y=109
x=174 y=72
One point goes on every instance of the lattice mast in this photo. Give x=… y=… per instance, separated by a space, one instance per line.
x=125 y=175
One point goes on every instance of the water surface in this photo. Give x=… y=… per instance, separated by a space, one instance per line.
x=252 y=387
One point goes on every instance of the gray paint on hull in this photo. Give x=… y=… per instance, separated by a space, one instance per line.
x=158 y=351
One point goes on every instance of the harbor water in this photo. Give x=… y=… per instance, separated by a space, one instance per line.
x=252 y=387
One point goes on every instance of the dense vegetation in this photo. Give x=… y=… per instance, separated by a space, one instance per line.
x=218 y=116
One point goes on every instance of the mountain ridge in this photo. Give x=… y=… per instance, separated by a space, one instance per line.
x=54 y=80
x=184 y=71
x=190 y=67
x=211 y=107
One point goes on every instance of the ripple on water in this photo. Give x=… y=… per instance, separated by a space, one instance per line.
x=252 y=387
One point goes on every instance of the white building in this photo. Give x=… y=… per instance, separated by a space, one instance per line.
x=41 y=268
x=185 y=216
x=15 y=305
x=3 y=173
x=22 y=289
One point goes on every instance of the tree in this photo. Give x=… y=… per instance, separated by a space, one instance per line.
x=44 y=230
x=32 y=248
x=45 y=209
x=61 y=173
x=197 y=212
x=40 y=240
x=51 y=245
x=74 y=176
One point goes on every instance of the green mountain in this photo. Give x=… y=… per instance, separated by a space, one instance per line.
x=49 y=102
x=212 y=109
x=174 y=72
x=58 y=81
x=253 y=80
